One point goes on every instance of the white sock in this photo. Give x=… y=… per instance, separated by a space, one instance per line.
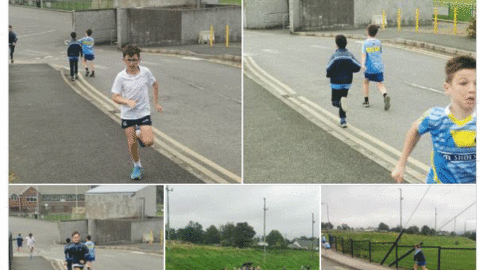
x=137 y=164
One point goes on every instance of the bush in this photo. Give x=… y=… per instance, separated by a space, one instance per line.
x=472 y=28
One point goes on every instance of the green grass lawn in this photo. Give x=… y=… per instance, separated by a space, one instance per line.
x=232 y=2
x=189 y=256
x=450 y=259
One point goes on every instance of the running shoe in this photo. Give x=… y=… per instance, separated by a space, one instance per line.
x=386 y=100
x=86 y=73
x=137 y=173
x=343 y=104
x=93 y=74
x=73 y=78
x=366 y=104
x=343 y=122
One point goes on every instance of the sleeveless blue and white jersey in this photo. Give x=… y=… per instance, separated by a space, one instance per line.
x=87 y=45
x=454 y=146
x=373 y=50
x=91 y=248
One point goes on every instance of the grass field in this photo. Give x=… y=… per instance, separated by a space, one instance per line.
x=450 y=259
x=189 y=256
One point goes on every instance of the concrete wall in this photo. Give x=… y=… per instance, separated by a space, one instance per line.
x=150 y=195
x=255 y=11
x=102 y=22
x=365 y=9
x=141 y=227
x=110 y=206
x=151 y=27
x=151 y=3
x=326 y=14
x=112 y=231
x=294 y=15
x=194 y=21
x=66 y=228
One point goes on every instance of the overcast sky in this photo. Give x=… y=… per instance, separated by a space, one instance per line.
x=289 y=207
x=368 y=205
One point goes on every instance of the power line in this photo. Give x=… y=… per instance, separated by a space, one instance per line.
x=458 y=215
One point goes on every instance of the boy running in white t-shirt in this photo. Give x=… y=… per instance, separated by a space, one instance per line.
x=130 y=90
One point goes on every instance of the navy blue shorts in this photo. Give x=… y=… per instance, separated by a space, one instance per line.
x=89 y=57
x=90 y=258
x=144 y=121
x=421 y=263
x=374 y=77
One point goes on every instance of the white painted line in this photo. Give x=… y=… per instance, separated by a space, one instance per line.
x=37 y=52
x=36 y=34
x=426 y=88
x=271 y=51
x=321 y=47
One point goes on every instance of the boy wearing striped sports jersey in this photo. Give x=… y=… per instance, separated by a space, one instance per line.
x=340 y=69
x=372 y=63
x=453 y=129
x=77 y=252
x=88 y=52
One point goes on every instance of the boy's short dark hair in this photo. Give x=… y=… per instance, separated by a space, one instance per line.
x=131 y=50
x=73 y=35
x=10 y=26
x=89 y=32
x=75 y=232
x=372 y=30
x=89 y=237
x=458 y=63
x=67 y=240
x=341 y=41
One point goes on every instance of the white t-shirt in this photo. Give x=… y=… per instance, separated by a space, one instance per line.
x=134 y=87
x=30 y=241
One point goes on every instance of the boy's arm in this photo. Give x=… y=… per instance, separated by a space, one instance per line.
x=155 y=97
x=364 y=58
x=412 y=138
x=117 y=98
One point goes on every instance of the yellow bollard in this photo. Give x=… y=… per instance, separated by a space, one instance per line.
x=383 y=19
x=399 y=20
x=435 y=22
x=211 y=35
x=227 y=33
x=417 y=20
x=455 y=20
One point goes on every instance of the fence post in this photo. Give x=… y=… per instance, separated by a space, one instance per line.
x=227 y=34
x=369 y=251
x=383 y=19
x=435 y=23
x=439 y=255
x=417 y=18
x=455 y=20
x=396 y=256
x=351 y=245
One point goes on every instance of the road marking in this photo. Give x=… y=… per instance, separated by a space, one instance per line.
x=271 y=51
x=426 y=88
x=321 y=47
x=175 y=149
x=315 y=113
x=36 y=34
x=192 y=58
x=37 y=52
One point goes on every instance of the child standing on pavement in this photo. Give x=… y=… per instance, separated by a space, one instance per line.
x=372 y=63
x=19 y=242
x=74 y=51
x=30 y=244
x=12 y=40
x=130 y=90
x=340 y=69
x=88 y=52
x=453 y=129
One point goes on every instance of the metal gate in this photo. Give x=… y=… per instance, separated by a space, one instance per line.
x=325 y=14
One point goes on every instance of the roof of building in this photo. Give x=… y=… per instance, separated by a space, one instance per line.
x=104 y=189
x=49 y=189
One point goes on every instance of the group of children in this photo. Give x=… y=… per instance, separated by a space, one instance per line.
x=453 y=129
x=30 y=243
x=79 y=254
x=81 y=48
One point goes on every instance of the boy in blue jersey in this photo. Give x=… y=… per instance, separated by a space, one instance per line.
x=74 y=51
x=340 y=69
x=68 y=257
x=19 y=242
x=77 y=251
x=88 y=52
x=372 y=63
x=453 y=129
x=91 y=252
x=130 y=90
x=12 y=40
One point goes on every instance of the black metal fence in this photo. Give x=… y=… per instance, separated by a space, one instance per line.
x=10 y=251
x=437 y=257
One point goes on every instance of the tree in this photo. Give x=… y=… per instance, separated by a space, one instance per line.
x=383 y=227
x=425 y=230
x=275 y=238
x=192 y=233
x=412 y=230
x=327 y=226
x=244 y=234
x=212 y=236
x=227 y=233
x=345 y=227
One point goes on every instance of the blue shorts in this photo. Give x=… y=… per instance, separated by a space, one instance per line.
x=90 y=258
x=89 y=57
x=374 y=77
x=144 y=121
x=421 y=263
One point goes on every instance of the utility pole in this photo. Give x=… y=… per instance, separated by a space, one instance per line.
x=264 y=226
x=435 y=220
x=168 y=212
x=313 y=239
x=401 y=226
